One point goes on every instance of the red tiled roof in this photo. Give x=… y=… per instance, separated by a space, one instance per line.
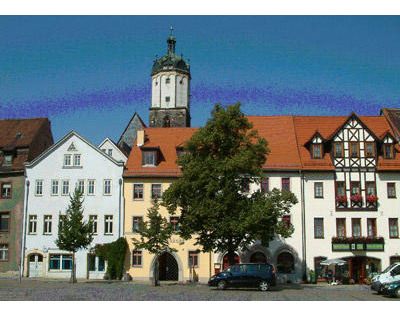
x=286 y=136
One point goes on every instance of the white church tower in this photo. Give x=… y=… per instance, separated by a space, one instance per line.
x=170 y=90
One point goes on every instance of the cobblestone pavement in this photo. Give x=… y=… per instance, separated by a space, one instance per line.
x=57 y=290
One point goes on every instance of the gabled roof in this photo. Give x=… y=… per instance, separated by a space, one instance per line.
x=121 y=150
x=135 y=115
x=393 y=116
x=62 y=141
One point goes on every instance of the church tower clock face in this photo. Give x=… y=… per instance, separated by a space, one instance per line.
x=170 y=89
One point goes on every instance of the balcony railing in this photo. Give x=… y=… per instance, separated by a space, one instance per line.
x=358 y=244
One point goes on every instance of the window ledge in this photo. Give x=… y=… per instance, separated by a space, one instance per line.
x=72 y=167
x=137 y=267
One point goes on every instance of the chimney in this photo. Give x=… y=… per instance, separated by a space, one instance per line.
x=140 y=138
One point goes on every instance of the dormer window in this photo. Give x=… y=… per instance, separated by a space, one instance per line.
x=7 y=160
x=338 y=150
x=369 y=150
x=316 y=151
x=388 y=151
x=149 y=158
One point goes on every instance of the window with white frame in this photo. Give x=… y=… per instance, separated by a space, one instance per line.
x=107 y=187
x=80 y=185
x=47 y=224
x=136 y=221
x=138 y=191
x=93 y=220
x=77 y=160
x=156 y=192
x=60 y=262
x=39 y=187
x=5 y=190
x=67 y=160
x=3 y=252
x=7 y=160
x=65 y=187
x=91 y=187
x=108 y=224
x=61 y=221
x=32 y=226
x=193 y=259
x=96 y=263
x=54 y=187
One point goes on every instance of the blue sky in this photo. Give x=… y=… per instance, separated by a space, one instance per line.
x=91 y=73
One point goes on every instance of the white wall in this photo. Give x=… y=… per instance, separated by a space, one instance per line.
x=177 y=92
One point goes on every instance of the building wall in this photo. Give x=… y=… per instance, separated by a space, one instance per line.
x=94 y=165
x=139 y=208
x=14 y=206
x=177 y=90
x=115 y=153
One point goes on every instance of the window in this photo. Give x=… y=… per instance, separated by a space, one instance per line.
x=65 y=187
x=316 y=151
x=174 y=221
x=110 y=152
x=355 y=188
x=91 y=186
x=108 y=224
x=136 y=220
x=193 y=259
x=356 y=227
x=80 y=185
x=3 y=252
x=39 y=187
x=340 y=189
x=47 y=225
x=180 y=152
x=369 y=149
x=61 y=221
x=91 y=262
x=286 y=219
x=371 y=227
x=60 y=262
x=4 y=222
x=394 y=259
x=107 y=187
x=393 y=227
x=391 y=190
x=370 y=188
x=103 y=150
x=388 y=151
x=77 y=160
x=265 y=185
x=6 y=190
x=286 y=184
x=67 y=160
x=338 y=150
x=354 y=150
x=95 y=263
x=93 y=220
x=167 y=80
x=149 y=157
x=156 y=192
x=167 y=99
x=341 y=227
x=54 y=187
x=318 y=190
x=318 y=228
x=318 y=268
x=136 y=258
x=137 y=191
x=32 y=228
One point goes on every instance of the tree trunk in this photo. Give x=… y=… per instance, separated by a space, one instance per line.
x=73 y=270
x=231 y=257
x=156 y=281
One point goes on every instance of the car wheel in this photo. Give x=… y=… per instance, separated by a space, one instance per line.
x=264 y=286
x=380 y=290
x=221 y=285
x=397 y=293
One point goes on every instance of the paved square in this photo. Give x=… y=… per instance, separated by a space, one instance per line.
x=85 y=290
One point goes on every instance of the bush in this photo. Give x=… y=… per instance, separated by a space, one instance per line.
x=114 y=254
x=367 y=281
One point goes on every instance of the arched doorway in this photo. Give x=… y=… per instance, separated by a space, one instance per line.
x=167 y=267
x=258 y=257
x=285 y=263
x=225 y=261
x=35 y=265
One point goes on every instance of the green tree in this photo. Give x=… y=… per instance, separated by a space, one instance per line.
x=73 y=232
x=220 y=160
x=154 y=236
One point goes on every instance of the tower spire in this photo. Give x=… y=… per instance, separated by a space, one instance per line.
x=171 y=42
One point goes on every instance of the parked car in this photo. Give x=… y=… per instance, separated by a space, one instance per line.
x=253 y=275
x=392 y=289
x=389 y=275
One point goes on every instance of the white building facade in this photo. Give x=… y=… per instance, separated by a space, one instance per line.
x=50 y=180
